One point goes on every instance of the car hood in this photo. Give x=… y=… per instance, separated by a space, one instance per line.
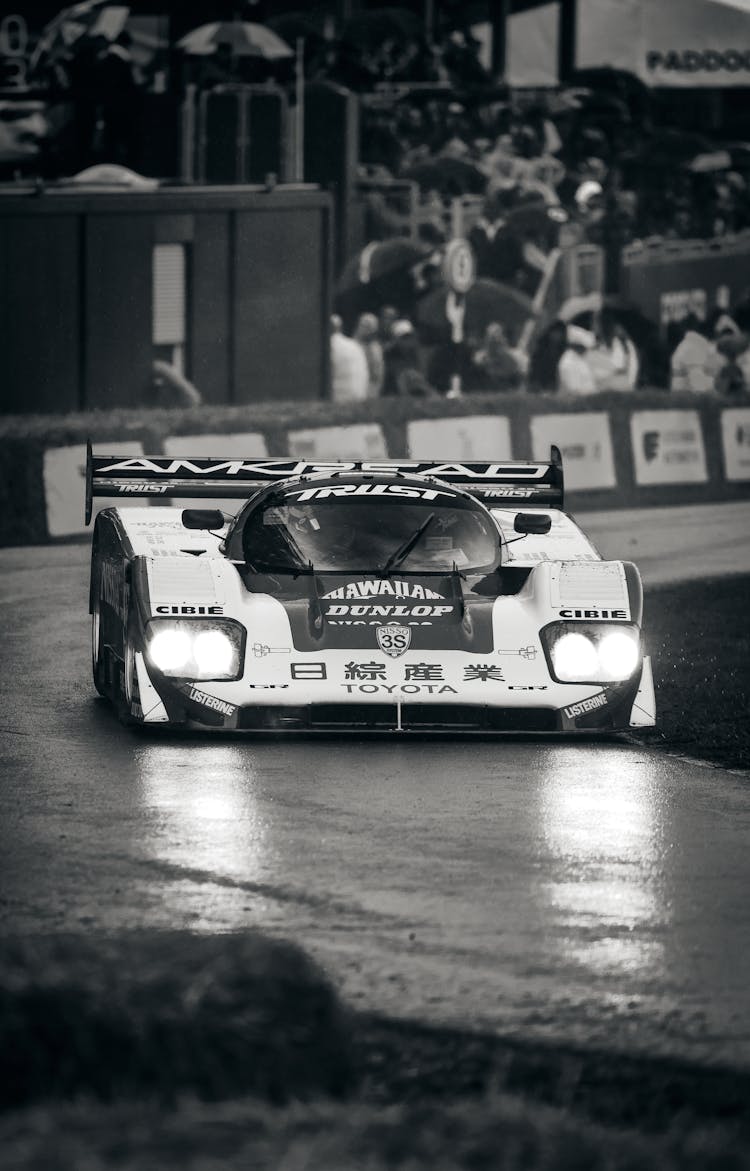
x=357 y=610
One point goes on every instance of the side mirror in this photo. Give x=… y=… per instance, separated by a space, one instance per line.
x=532 y=522
x=203 y=518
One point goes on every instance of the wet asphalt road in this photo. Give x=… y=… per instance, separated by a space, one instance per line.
x=591 y=893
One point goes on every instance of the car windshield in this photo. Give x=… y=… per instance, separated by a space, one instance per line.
x=337 y=534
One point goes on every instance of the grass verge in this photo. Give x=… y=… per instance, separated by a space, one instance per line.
x=156 y=1051
x=491 y=1133
x=158 y=1014
x=698 y=634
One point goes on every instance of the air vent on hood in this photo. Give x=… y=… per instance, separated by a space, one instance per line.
x=591 y=583
x=175 y=579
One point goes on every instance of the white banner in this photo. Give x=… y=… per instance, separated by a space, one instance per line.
x=358 y=441
x=735 y=442
x=667 y=42
x=673 y=43
x=531 y=55
x=668 y=447
x=64 y=474
x=469 y=438
x=585 y=442
x=244 y=445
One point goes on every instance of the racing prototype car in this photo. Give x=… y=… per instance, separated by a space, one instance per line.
x=362 y=596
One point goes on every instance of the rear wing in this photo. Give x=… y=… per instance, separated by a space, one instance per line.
x=512 y=482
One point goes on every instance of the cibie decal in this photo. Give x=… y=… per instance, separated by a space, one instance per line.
x=393 y=639
x=376 y=587
x=190 y=610
x=593 y=614
x=411 y=491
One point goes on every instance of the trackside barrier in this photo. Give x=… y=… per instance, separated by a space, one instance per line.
x=639 y=450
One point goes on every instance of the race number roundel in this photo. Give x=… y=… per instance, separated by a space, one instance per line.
x=459 y=266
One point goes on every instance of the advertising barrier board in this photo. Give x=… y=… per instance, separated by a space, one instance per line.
x=616 y=454
x=64 y=472
x=585 y=442
x=735 y=442
x=360 y=440
x=247 y=445
x=668 y=447
x=465 y=437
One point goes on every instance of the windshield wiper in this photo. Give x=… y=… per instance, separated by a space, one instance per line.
x=406 y=546
x=289 y=540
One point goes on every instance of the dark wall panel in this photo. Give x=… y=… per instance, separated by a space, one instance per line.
x=241 y=135
x=331 y=150
x=117 y=293
x=209 y=339
x=279 y=338
x=76 y=294
x=39 y=314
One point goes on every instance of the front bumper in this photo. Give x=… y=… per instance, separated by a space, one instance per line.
x=563 y=709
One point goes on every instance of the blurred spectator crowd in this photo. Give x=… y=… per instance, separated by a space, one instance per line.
x=384 y=356
x=445 y=150
x=431 y=113
x=521 y=175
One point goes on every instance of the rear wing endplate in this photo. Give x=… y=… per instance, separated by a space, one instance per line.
x=511 y=482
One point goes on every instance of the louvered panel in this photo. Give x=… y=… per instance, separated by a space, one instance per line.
x=182 y=579
x=600 y=584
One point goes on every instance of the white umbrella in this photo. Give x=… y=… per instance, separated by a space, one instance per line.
x=244 y=38
x=88 y=18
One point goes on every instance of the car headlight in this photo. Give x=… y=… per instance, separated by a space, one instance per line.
x=581 y=652
x=196 y=648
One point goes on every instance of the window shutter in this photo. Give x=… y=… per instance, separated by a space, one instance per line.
x=169 y=295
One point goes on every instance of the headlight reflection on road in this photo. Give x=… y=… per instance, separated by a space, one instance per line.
x=600 y=823
x=206 y=830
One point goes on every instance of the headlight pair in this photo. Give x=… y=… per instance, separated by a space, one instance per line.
x=196 y=648
x=596 y=652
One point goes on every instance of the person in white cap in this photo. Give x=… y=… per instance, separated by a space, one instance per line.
x=733 y=347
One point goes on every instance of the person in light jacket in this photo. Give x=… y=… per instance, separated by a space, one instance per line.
x=349 y=374
x=574 y=374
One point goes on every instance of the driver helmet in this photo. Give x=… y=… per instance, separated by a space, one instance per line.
x=302 y=520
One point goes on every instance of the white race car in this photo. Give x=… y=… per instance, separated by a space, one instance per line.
x=388 y=596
